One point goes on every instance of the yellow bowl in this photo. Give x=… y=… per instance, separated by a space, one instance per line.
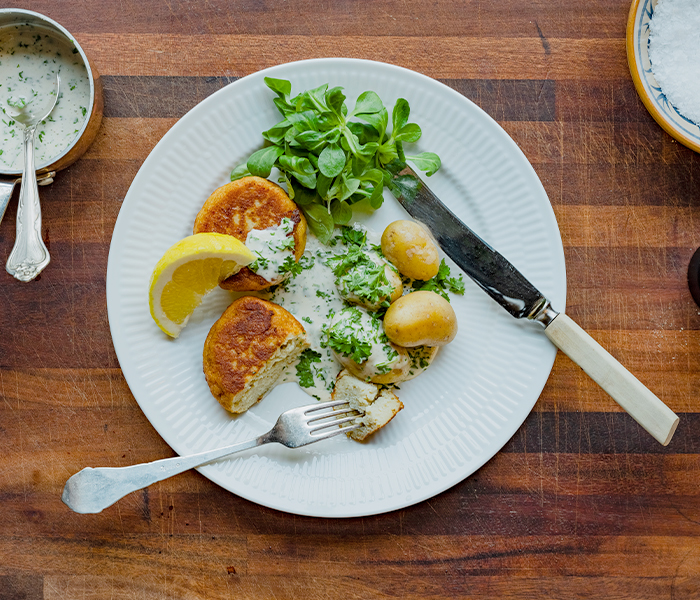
x=664 y=113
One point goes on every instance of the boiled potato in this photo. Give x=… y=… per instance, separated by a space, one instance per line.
x=420 y=319
x=395 y=284
x=395 y=281
x=408 y=246
x=394 y=368
x=406 y=365
x=354 y=331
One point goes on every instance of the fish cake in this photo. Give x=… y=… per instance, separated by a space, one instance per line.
x=243 y=205
x=248 y=349
x=377 y=405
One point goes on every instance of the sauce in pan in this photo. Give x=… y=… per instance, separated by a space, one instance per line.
x=30 y=57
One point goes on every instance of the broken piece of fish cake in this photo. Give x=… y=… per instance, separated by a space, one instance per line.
x=248 y=349
x=377 y=405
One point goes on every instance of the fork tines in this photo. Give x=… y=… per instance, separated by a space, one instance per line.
x=341 y=412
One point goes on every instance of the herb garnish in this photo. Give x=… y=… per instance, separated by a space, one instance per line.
x=304 y=373
x=358 y=276
x=259 y=263
x=348 y=336
x=329 y=161
x=441 y=283
x=420 y=357
x=19 y=103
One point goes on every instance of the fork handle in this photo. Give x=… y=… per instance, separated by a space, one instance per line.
x=94 y=489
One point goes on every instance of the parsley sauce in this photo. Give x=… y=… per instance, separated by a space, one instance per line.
x=358 y=324
x=30 y=57
x=274 y=248
x=313 y=298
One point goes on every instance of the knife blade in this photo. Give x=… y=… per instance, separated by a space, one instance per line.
x=497 y=276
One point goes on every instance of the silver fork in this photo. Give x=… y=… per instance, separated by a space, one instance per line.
x=92 y=490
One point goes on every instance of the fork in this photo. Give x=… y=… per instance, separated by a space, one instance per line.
x=92 y=490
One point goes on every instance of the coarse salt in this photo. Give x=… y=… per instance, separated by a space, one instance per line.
x=674 y=52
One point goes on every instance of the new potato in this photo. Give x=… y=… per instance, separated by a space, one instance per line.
x=394 y=281
x=408 y=246
x=420 y=319
x=403 y=368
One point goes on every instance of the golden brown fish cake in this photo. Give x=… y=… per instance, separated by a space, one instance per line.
x=243 y=205
x=247 y=350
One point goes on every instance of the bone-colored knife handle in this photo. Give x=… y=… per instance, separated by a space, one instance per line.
x=644 y=407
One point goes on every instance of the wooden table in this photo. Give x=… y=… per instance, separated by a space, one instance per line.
x=580 y=503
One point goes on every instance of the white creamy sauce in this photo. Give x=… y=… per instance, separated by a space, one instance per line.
x=382 y=357
x=309 y=291
x=30 y=57
x=274 y=247
x=313 y=299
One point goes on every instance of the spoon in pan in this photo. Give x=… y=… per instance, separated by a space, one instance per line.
x=29 y=255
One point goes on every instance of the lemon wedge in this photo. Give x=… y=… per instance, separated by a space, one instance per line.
x=188 y=271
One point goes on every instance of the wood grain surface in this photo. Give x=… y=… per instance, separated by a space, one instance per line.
x=581 y=503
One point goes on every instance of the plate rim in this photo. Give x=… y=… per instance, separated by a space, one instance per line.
x=217 y=476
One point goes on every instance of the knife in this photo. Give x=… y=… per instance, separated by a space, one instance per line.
x=506 y=285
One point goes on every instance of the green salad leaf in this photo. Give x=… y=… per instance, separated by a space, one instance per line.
x=331 y=158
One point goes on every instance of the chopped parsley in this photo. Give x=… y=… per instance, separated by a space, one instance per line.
x=259 y=263
x=441 y=283
x=348 y=337
x=420 y=357
x=290 y=266
x=294 y=268
x=304 y=367
x=352 y=236
x=358 y=277
x=354 y=333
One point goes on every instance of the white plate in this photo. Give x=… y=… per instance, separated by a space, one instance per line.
x=457 y=415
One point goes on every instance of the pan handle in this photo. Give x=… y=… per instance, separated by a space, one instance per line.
x=6 y=189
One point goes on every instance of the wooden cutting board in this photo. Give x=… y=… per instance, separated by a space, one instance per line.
x=580 y=503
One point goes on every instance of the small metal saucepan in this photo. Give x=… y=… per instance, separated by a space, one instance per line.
x=45 y=172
